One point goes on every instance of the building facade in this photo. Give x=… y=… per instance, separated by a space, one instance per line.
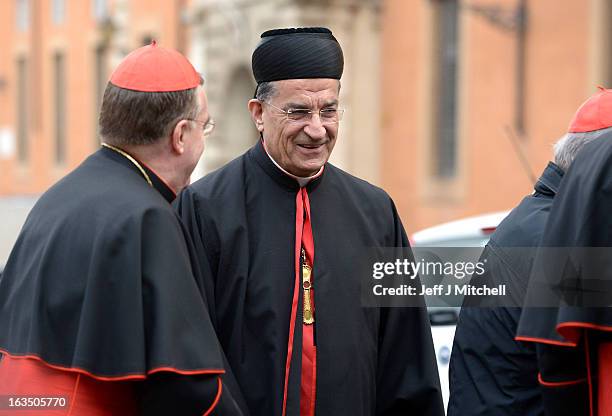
x=54 y=64
x=476 y=92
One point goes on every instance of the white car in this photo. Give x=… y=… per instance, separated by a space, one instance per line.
x=467 y=232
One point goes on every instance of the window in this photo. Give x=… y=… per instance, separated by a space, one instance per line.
x=58 y=11
x=446 y=57
x=22 y=110
x=23 y=14
x=603 y=45
x=99 y=9
x=59 y=106
x=100 y=79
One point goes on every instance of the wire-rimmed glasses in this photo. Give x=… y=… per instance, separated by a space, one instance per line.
x=207 y=126
x=327 y=115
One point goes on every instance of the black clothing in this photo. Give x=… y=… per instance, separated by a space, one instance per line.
x=574 y=282
x=369 y=360
x=101 y=279
x=580 y=280
x=490 y=372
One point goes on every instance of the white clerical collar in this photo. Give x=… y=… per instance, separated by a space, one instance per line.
x=301 y=180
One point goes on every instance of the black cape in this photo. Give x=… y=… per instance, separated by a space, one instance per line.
x=101 y=279
x=369 y=360
x=573 y=280
x=577 y=284
x=490 y=372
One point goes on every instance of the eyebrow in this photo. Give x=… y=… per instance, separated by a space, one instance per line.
x=295 y=105
x=330 y=103
x=305 y=106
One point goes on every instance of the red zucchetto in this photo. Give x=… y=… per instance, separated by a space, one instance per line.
x=152 y=68
x=594 y=114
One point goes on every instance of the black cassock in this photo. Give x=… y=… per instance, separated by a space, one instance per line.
x=570 y=288
x=369 y=360
x=101 y=280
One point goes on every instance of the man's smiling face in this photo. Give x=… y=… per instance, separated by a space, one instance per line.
x=301 y=147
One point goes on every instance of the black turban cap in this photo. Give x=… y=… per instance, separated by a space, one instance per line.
x=297 y=53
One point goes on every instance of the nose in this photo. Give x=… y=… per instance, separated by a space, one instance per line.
x=315 y=128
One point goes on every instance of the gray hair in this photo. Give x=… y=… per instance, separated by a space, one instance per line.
x=568 y=146
x=265 y=91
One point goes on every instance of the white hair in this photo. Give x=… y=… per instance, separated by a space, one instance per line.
x=568 y=146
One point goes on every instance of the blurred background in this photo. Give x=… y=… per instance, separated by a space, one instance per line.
x=452 y=105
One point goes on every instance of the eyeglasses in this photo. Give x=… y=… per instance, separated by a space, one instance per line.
x=304 y=115
x=207 y=126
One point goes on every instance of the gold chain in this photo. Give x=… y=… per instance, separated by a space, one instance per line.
x=307 y=286
x=131 y=159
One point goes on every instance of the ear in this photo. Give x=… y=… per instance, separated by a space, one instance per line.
x=256 y=110
x=177 y=138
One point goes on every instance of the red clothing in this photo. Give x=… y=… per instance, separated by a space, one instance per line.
x=605 y=379
x=84 y=395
